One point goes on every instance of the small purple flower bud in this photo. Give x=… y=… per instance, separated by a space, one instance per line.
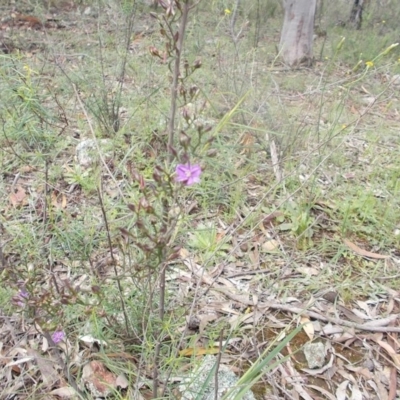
x=184 y=139
x=157 y=176
x=212 y=153
x=173 y=151
x=193 y=90
x=144 y=204
x=96 y=289
x=197 y=64
x=185 y=114
x=21 y=298
x=182 y=91
x=154 y=52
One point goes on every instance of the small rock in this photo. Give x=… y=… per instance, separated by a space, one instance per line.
x=395 y=80
x=315 y=354
x=87 y=152
x=369 y=100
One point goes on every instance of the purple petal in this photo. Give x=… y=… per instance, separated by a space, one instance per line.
x=181 y=172
x=23 y=293
x=58 y=336
x=188 y=174
x=195 y=170
x=21 y=298
x=192 y=181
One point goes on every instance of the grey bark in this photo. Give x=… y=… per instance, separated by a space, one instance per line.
x=356 y=14
x=297 y=32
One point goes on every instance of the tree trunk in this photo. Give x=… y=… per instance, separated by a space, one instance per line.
x=356 y=14
x=297 y=32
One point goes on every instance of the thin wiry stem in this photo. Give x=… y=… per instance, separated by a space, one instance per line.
x=175 y=78
x=114 y=263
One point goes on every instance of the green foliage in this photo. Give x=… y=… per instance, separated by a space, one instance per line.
x=207 y=243
x=304 y=157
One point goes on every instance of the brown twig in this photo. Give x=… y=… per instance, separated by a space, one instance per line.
x=315 y=315
x=175 y=78
x=113 y=260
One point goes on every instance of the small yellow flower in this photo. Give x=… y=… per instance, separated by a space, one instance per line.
x=383 y=22
x=227 y=11
x=369 y=64
x=344 y=126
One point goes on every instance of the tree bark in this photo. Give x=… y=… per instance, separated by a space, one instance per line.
x=297 y=32
x=356 y=14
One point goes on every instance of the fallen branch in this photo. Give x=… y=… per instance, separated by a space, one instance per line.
x=378 y=325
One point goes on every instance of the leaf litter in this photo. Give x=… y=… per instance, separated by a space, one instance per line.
x=361 y=338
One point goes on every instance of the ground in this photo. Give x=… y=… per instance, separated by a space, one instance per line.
x=291 y=237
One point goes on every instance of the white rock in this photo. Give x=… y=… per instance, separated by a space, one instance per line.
x=87 y=151
x=395 y=80
x=315 y=354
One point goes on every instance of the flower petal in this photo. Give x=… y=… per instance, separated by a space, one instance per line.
x=188 y=174
x=58 y=336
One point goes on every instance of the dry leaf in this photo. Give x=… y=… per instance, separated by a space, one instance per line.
x=254 y=257
x=98 y=379
x=20 y=361
x=350 y=315
x=330 y=329
x=89 y=340
x=26 y=169
x=219 y=236
x=267 y=221
x=361 y=252
x=64 y=392
x=46 y=367
x=307 y=271
x=122 y=381
x=390 y=351
x=319 y=371
x=204 y=320
x=393 y=384
x=58 y=200
x=323 y=391
x=198 y=351
x=308 y=327
x=18 y=196
x=270 y=245
x=362 y=371
x=341 y=390
x=291 y=377
x=356 y=393
x=184 y=253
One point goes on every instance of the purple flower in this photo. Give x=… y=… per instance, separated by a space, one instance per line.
x=188 y=174
x=21 y=298
x=58 y=336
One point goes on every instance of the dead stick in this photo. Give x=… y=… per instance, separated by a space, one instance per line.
x=313 y=314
